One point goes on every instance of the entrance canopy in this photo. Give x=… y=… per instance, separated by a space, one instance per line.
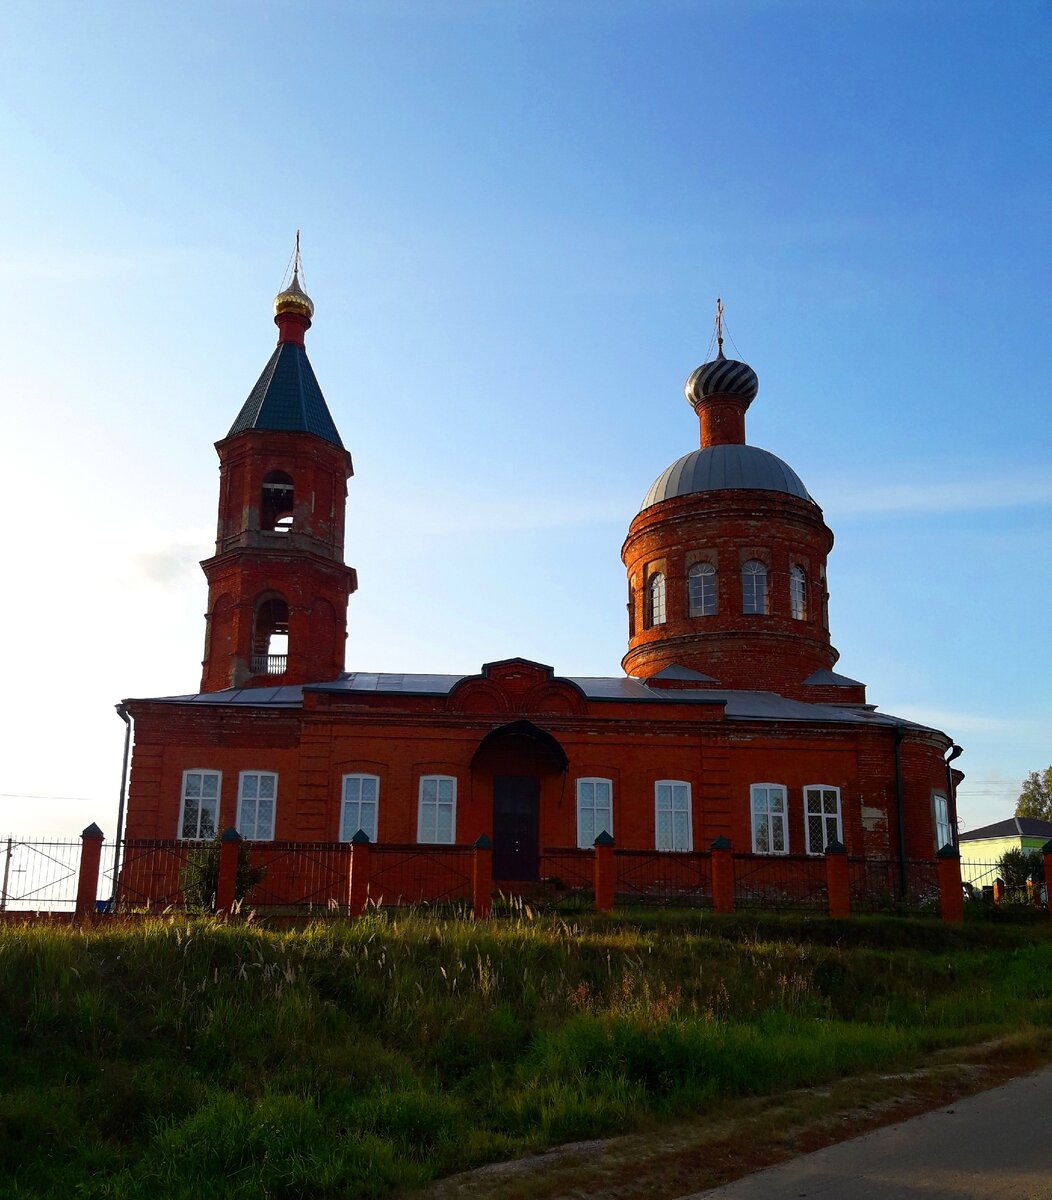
x=523 y=736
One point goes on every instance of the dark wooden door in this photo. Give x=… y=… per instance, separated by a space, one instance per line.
x=516 y=807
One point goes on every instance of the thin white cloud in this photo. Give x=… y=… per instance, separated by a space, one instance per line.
x=949 y=721
x=167 y=566
x=85 y=266
x=937 y=495
x=451 y=516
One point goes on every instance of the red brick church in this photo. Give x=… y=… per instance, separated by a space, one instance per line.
x=729 y=722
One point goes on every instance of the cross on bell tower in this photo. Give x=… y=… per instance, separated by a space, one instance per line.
x=277 y=583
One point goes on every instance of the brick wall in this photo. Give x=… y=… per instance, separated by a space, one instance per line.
x=401 y=738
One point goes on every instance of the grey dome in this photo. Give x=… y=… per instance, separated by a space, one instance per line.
x=716 y=468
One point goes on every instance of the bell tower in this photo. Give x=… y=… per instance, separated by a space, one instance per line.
x=277 y=583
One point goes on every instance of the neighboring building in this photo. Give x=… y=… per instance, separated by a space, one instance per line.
x=981 y=849
x=730 y=721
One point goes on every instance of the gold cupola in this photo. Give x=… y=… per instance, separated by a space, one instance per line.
x=293 y=308
x=294 y=299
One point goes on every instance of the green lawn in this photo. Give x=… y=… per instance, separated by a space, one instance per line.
x=185 y=1058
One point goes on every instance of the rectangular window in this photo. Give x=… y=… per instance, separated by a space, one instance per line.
x=672 y=823
x=943 y=832
x=361 y=795
x=770 y=830
x=199 y=810
x=437 y=817
x=256 y=798
x=595 y=813
x=822 y=816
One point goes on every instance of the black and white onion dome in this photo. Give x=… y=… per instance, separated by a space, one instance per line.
x=723 y=377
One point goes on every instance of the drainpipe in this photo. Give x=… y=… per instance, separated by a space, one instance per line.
x=899 y=735
x=954 y=751
x=122 y=712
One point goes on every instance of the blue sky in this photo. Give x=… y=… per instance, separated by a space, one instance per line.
x=516 y=218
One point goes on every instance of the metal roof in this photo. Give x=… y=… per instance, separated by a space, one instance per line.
x=1012 y=827
x=717 y=468
x=287 y=397
x=739 y=705
x=824 y=678
x=682 y=674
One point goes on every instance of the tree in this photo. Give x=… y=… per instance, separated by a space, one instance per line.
x=1023 y=874
x=1016 y=867
x=1035 y=800
x=200 y=875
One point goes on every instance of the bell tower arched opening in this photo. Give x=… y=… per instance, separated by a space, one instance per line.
x=270 y=636
x=277 y=502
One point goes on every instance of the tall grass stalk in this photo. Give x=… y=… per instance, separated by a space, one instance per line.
x=364 y=1058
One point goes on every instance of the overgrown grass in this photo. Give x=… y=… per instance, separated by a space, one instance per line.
x=181 y=1059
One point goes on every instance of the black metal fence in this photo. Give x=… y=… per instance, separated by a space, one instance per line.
x=780 y=881
x=885 y=885
x=299 y=875
x=41 y=875
x=419 y=874
x=568 y=869
x=1006 y=882
x=155 y=875
x=663 y=877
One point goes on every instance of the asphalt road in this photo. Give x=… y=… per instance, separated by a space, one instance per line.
x=993 y=1145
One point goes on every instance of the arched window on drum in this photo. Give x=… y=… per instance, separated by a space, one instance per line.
x=656 y=600
x=754 y=587
x=701 y=590
x=798 y=594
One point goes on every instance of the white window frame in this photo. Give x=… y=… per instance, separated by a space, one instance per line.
x=817 y=789
x=798 y=593
x=749 y=597
x=772 y=818
x=349 y=828
x=666 y=794
x=438 y=780
x=201 y=771
x=657 y=600
x=253 y=835
x=941 y=799
x=707 y=598
x=824 y=598
x=586 y=802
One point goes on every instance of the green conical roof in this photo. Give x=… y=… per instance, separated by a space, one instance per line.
x=287 y=397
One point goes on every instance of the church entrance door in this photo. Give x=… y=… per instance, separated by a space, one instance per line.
x=516 y=807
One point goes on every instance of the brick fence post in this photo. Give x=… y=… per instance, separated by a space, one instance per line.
x=604 y=872
x=951 y=894
x=838 y=892
x=1046 y=853
x=88 y=876
x=722 y=876
x=226 y=884
x=482 y=876
x=358 y=882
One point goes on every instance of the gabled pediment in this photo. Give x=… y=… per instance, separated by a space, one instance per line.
x=516 y=685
